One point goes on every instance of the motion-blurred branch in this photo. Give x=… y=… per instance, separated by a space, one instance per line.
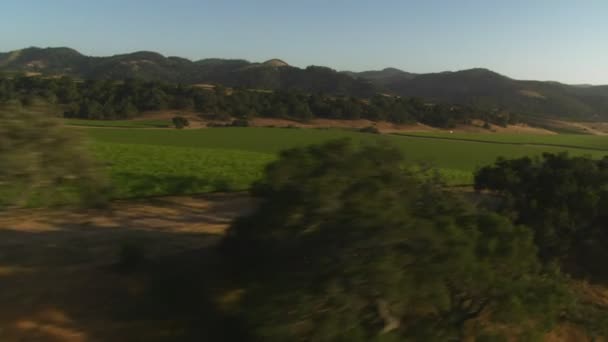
x=43 y=163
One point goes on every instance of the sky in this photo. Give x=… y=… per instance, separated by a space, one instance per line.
x=559 y=40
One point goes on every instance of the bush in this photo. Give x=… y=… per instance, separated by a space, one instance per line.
x=45 y=164
x=562 y=198
x=240 y=123
x=370 y=129
x=180 y=122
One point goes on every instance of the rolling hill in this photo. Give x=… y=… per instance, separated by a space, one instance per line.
x=273 y=74
x=480 y=87
x=487 y=89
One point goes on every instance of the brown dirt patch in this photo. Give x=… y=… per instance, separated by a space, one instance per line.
x=387 y=127
x=595 y=128
x=384 y=127
x=58 y=283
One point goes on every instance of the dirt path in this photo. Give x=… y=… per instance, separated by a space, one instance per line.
x=57 y=282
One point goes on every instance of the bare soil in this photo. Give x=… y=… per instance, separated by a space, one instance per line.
x=384 y=127
x=58 y=281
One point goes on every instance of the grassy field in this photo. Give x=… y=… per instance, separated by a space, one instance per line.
x=118 y=123
x=139 y=170
x=560 y=140
x=159 y=162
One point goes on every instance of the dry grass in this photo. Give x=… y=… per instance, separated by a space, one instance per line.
x=387 y=127
x=384 y=127
x=532 y=94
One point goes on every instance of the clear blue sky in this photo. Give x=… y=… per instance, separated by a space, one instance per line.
x=563 y=40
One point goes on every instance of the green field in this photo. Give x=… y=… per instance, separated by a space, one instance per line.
x=160 y=162
x=561 y=140
x=139 y=170
x=118 y=123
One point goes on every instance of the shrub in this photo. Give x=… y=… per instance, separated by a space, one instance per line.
x=562 y=198
x=180 y=122
x=370 y=129
x=43 y=163
x=240 y=123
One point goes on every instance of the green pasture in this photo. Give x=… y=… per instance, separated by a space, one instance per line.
x=139 y=170
x=559 y=140
x=161 y=162
x=118 y=123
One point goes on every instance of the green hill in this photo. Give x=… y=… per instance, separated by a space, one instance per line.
x=273 y=74
x=487 y=89
x=480 y=88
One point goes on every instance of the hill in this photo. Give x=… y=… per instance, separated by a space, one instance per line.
x=480 y=88
x=487 y=89
x=273 y=74
x=382 y=77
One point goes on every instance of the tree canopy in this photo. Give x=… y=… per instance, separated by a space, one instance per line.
x=97 y=99
x=349 y=245
x=562 y=198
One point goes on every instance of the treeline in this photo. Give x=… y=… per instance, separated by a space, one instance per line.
x=108 y=100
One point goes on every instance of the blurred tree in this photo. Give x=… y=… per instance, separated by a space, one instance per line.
x=347 y=245
x=43 y=163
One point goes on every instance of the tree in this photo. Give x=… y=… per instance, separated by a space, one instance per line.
x=562 y=198
x=42 y=163
x=180 y=122
x=348 y=245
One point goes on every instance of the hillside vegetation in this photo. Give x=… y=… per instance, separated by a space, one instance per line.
x=106 y=99
x=487 y=89
x=476 y=87
x=273 y=74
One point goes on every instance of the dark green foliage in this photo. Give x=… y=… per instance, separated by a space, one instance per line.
x=151 y=66
x=370 y=129
x=564 y=199
x=108 y=100
x=479 y=88
x=348 y=245
x=482 y=88
x=240 y=123
x=180 y=122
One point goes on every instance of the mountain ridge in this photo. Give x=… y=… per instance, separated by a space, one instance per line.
x=479 y=86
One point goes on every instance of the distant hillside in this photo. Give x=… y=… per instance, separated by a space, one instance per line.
x=272 y=74
x=484 y=88
x=382 y=77
x=481 y=88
